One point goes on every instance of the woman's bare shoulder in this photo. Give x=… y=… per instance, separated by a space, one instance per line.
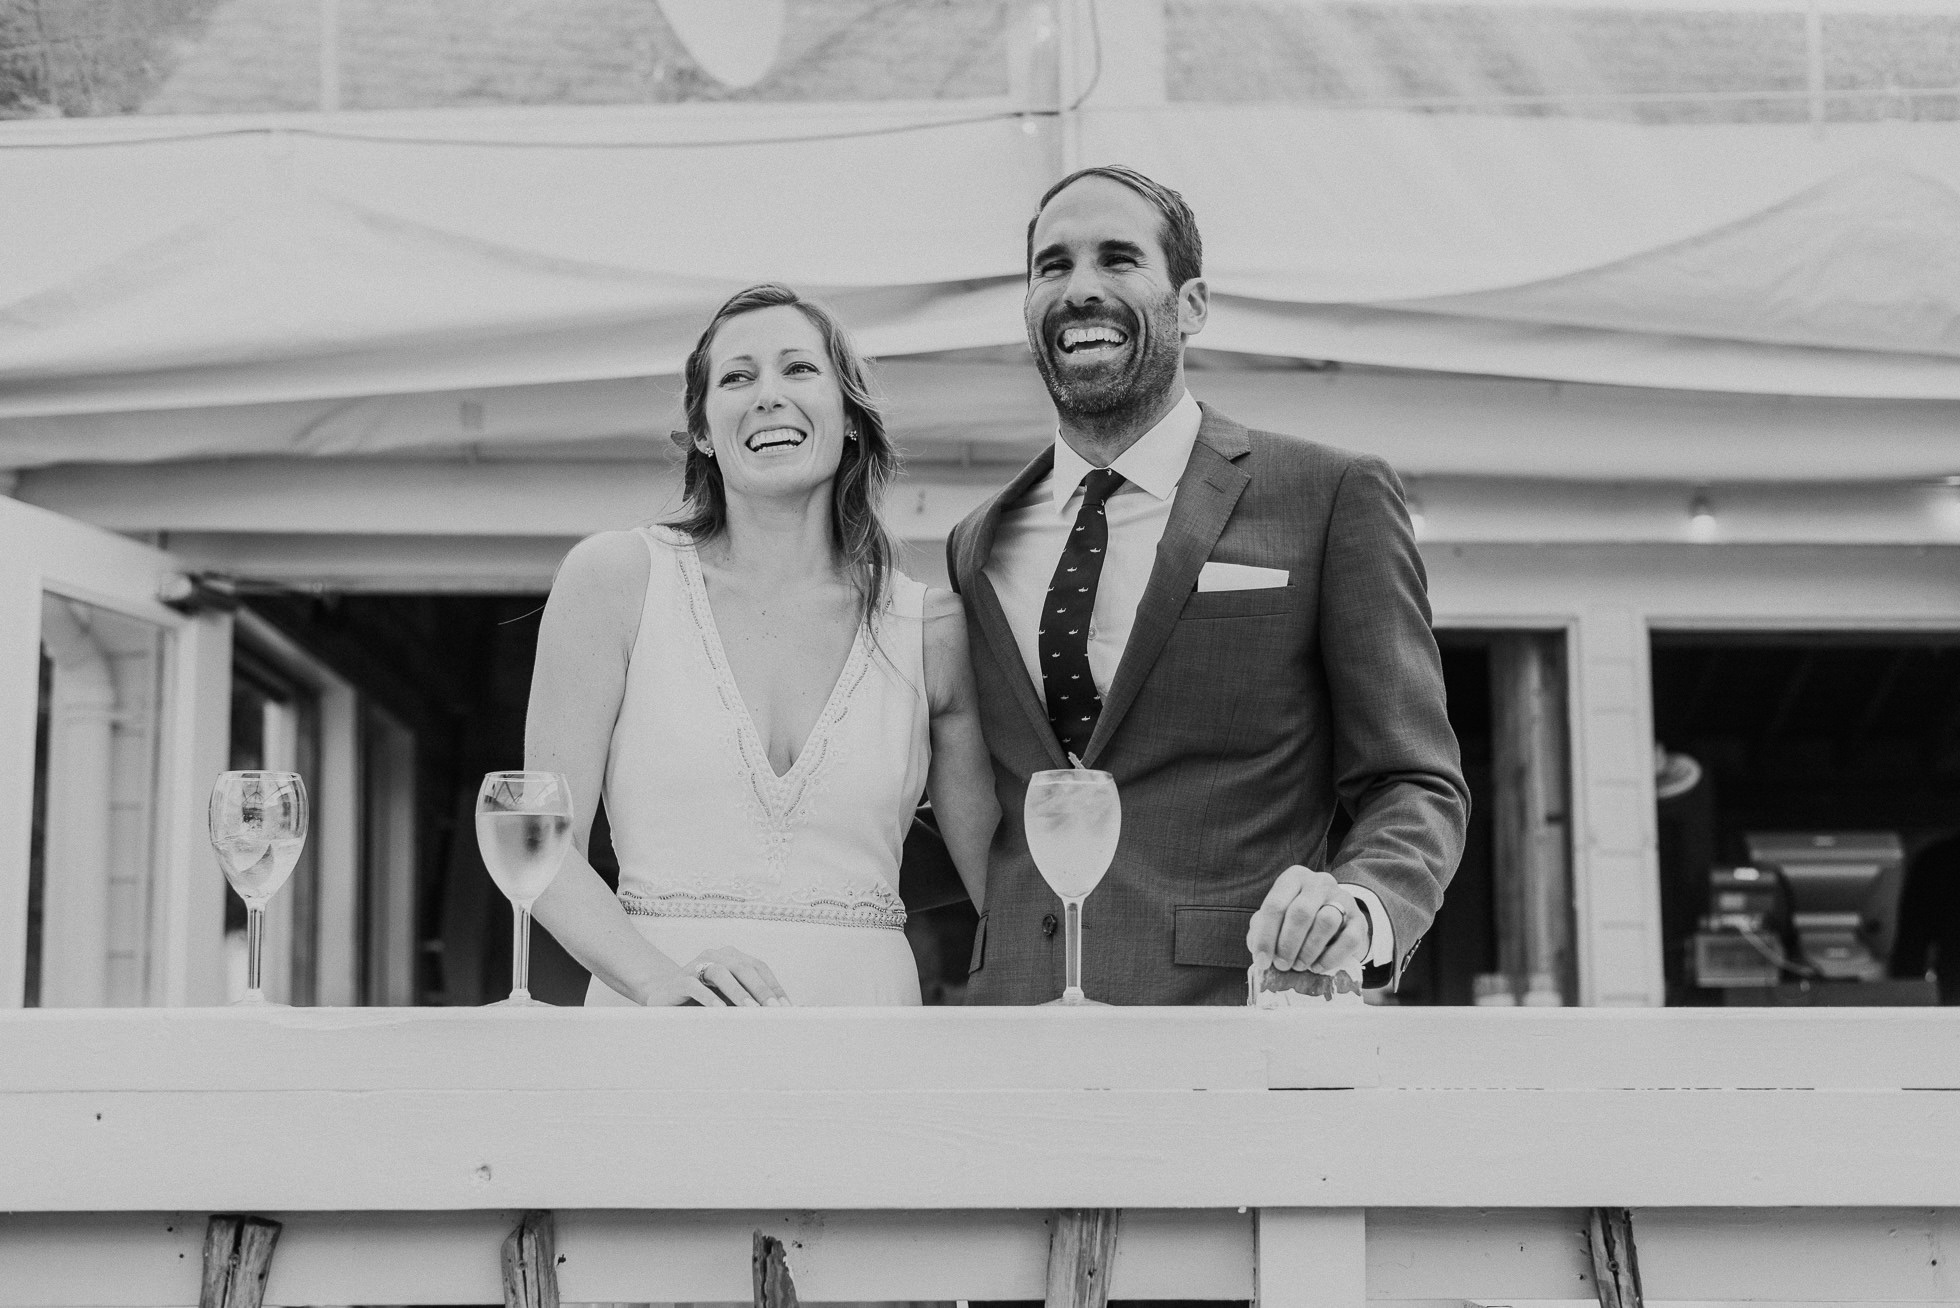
x=604 y=563
x=945 y=616
x=602 y=582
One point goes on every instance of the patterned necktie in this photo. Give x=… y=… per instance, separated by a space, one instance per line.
x=1073 y=701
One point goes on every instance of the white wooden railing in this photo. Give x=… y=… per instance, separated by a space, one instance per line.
x=1300 y=1157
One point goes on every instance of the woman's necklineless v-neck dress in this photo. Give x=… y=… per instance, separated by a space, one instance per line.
x=715 y=848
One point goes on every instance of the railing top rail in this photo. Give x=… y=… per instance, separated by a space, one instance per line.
x=383 y=1110
x=978 y=1049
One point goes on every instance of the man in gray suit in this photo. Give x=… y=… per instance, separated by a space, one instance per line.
x=1233 y=623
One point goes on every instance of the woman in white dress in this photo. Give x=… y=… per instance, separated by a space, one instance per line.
x=760 y=695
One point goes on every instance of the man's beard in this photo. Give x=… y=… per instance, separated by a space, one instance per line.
x=1110 y=400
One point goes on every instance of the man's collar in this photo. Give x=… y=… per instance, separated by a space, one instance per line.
x=1153 y=464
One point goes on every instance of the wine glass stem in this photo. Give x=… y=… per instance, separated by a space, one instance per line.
x=1072 y=951
x=520 y=952
x=254 y=946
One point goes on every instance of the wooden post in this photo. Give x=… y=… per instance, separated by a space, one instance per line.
x=530 y=1257
x=1530 y=825
x=769 y=1273
x=1081 y=1255
x=1616 y=1267
x=237 y=1260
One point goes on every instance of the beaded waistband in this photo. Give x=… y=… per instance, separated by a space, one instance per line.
x=825 y=912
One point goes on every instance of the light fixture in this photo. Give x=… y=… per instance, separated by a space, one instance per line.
x=1701 y=517
x=1946 y=506
x=736 y=42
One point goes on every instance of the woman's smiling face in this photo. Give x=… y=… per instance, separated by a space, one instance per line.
x=775 y=409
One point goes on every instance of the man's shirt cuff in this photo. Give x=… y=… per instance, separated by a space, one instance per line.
x=1381 y=935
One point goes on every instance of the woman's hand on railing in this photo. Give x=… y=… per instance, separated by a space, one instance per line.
x=719 y=978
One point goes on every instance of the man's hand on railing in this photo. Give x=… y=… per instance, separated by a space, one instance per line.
x=1309 y=922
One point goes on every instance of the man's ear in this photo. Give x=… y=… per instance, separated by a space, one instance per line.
x=1193 y=306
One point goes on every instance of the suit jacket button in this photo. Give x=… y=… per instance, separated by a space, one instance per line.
x=1048 y=924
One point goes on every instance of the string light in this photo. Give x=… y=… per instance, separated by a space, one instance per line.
x=1701 y=518
x=1946 y=506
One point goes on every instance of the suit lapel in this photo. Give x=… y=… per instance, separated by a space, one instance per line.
x=1206 y=495
x=983 y=603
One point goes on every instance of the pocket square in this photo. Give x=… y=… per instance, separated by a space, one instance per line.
x=1239 y=576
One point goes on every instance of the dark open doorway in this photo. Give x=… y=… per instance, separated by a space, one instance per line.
x=455 y=671
x=1462 y=945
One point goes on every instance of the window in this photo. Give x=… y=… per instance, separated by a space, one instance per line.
x=91 y=864
x=1828 y=766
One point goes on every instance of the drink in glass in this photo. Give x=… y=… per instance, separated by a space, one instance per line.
x=257 y=822
x=523 y=829
x=1073 y=820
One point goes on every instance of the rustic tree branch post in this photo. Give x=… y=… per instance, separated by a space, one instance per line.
x=1616 y=1267
x=1081 y=1255
x=769 y=1273
x=237 y=1260
x=530 y=1257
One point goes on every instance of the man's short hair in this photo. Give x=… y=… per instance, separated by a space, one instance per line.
x=1184 y=252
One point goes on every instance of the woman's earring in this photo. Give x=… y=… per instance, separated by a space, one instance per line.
x=850 y=435
x=708 y=450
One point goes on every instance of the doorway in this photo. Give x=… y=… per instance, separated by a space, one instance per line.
x=1504 y=934
x=454 y=671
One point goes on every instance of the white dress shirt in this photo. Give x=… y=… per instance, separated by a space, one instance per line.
x=1028 y=544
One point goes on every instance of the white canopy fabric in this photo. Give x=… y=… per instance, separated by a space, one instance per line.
x=178 y=286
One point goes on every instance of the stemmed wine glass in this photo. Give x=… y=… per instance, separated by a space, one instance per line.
x=258 y=827
x=1073 y=819
x=523 y=828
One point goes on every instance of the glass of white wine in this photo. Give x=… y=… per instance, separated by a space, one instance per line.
x=258 y=827
x=523 y=828
x=1073 y=819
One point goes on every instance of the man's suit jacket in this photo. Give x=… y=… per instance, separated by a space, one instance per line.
x=1234 y=724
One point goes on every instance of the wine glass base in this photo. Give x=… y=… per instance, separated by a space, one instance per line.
x=1066 y=1002
x=256 y=1001
x=520 y=1001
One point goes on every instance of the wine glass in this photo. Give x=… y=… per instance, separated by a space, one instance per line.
x=523 y=828
x=1073 y=819
x=258 y=827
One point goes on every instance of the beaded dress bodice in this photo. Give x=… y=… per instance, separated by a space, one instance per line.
x=704 y=826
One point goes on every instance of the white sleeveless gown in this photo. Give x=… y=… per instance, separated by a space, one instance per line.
x=799 y=870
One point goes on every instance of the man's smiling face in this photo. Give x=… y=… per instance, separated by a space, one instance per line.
x=1103 y=316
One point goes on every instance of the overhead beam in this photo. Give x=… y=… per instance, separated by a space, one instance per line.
x=1425 y=424
x=564 y=500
